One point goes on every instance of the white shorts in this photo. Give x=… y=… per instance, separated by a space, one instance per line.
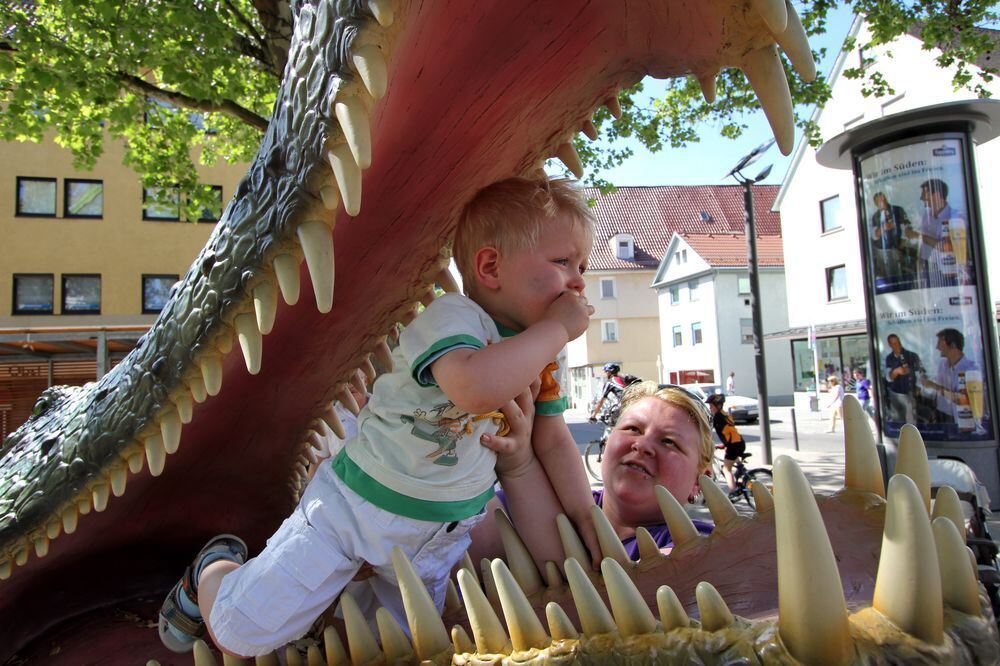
x=275 y=597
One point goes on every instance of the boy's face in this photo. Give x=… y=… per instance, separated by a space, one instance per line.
x=532 y=278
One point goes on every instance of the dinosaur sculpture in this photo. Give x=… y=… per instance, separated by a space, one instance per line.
x=103 y=498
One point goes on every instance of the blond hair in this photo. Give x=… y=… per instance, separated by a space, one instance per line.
x=509 y=214
x=680 y=398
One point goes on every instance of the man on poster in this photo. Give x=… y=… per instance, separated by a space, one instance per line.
x=887 y=226
x=937 y=214
x=950 y=344
x=901 y=366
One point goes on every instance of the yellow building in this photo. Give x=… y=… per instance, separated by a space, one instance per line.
x=86 y=263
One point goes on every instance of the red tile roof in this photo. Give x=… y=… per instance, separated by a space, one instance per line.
x=652 y=214
x=731 y=250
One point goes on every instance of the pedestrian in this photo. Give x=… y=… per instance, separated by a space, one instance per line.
x=731 y=384
x=836 y=404
x=863 y=389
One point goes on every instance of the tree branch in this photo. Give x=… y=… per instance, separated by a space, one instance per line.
x=254 y=46
x=180 y=99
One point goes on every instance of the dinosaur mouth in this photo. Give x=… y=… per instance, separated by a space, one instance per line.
x=390 y=116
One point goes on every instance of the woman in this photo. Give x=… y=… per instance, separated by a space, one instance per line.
x=836 y=404
x=661 y=438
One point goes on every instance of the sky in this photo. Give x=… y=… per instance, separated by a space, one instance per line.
x=708 y=161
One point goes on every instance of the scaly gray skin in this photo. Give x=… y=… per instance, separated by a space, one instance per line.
x=476 y=93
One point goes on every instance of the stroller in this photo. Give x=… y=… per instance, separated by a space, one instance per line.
x=954 y=472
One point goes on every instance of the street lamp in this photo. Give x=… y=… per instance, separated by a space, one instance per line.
x=758 y=333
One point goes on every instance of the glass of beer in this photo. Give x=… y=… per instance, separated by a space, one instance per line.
x=974 y=387
x=956 y=232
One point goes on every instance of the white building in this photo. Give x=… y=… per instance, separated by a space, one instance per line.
x=706 y=325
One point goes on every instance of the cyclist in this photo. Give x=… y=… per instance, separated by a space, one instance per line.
x=612 y=384
x=730 y=437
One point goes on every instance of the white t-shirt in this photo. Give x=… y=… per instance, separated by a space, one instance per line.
x=416 y=454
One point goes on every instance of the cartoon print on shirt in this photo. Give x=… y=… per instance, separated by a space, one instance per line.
x=444 y=425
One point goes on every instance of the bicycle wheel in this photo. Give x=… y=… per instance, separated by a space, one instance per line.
x=759 y=474
x=592 y=459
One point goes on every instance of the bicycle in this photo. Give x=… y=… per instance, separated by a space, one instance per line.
x=744 y=479
x=594 y=452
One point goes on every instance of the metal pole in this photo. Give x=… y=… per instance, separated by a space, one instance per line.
x=758 y=328
x=795 y=431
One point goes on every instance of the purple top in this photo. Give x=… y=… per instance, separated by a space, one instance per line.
x=659 y=532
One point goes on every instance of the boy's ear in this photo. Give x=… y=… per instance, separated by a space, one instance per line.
x=487 y=267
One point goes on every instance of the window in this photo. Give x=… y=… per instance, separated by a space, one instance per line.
x=33 y=293
x=156 y=291
x=213 y=212
x=81 y=294
x=836 y=283
x=829 y=213
x=624 y=248
x=888 y=108
x=161 y=203
x=746 y=331
x=36 y=197
x=684 y=256
x=607 y=288
x=609 y=331
x=696 y=333
x=675 y=295
x=83 y=198
x=693 y=290
x=743 y=285
x=678 y=339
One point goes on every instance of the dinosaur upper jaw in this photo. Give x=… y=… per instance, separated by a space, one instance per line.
x=475 y=93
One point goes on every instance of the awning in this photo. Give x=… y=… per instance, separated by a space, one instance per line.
x=858 y=326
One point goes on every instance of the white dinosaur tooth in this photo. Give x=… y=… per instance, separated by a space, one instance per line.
x=489 y=585
x=6 y=568
x=810 y=594
x=430 y=637
x=331 y=419
x=156 y=457
x=265 y=305
x=589 y=130
x=572 y=546
x=959 y=586
x=370 y=65
x=353 y=118
x=170 y=429
x=21 y=557
x=469 y=566
x=447 y=282
x=648 y=550
x=908 y=583
x=682 y=530
x=762 y=498
x=672 y=614
x=773 y=13
x=567 y=154
x=911 y=460
x=360 y=639
x=862 y=470
x=330 y=197
x=185 y=406
x=211 y=373
x=521 y=564
x=135 y=462
x=101 y=492
x=224 y=343
x=795 y=44
x=553 y=578
x=559 y=623
x=452 y=602
x=250 y=341
x=348 y=401
x=70 y=517
x=428 y=297
x=357 y=380
x=367 y=369
x=593 y=614
x=614 y=106
x=119 y=477
x=487 y=631
x=333 y=648
x=629 y=608
x=53 y=529
x=719 y=505
x=947 y=505
x=384 y=355
x=611 y=545
x=461 y=641
x=712 y=608
x=286 y=270
x=316 y=239
x=348 y=176
x=708 y=87
x=269 y=659
x=394 y=641
x=83 y=505
x=526 y=631
x=203 y=654
x=230 y=660
x=197 y=386
x=292 y=657
x=41 y=546
x=767 y=78
x=382 y=11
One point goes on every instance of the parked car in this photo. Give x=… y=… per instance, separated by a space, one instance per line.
x=741 y=408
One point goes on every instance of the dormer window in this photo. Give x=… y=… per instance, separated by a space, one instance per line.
x=624 y=247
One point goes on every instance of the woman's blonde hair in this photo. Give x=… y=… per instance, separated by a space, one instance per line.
x=832 y=379
x=680 y=398
x=509 y=214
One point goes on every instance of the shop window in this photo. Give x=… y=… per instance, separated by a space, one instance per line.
x=609 y=330
x=829 y=214
x=81 y=294
x=696 y=333
x=36 y=197
x=33 y=293
x=83 y=198
x=836 y=283
x=156 y=292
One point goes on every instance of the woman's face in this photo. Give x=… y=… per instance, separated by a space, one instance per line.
x=653 y=443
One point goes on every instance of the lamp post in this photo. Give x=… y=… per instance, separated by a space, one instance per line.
x=758 y=332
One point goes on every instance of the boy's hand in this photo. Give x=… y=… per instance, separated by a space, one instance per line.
x=514 y=450
x=572 y=311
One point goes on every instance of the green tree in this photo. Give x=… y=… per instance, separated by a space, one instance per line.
x=176 y=80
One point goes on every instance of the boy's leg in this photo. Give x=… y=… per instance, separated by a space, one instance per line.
x=208 y=589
